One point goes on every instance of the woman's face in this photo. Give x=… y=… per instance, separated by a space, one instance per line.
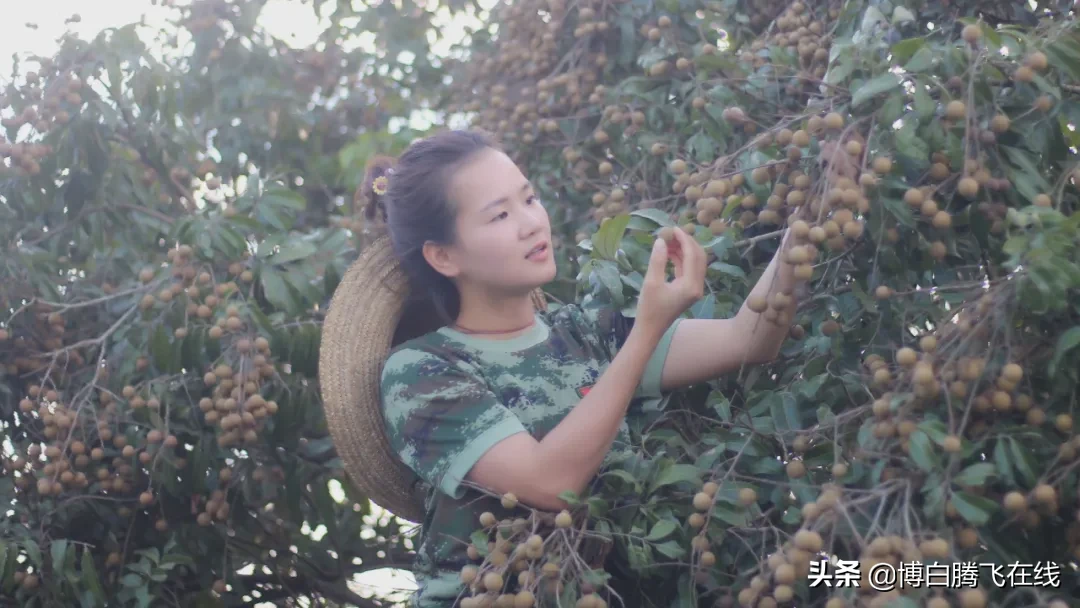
x=500 y=220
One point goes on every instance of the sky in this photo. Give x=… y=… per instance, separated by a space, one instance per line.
x=288 y=19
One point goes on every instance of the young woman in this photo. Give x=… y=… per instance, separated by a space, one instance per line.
x=507 y=398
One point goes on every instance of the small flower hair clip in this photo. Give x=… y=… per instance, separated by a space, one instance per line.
x=379 y=184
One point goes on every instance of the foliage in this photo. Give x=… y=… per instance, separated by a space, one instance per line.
x=171 y=229
x=923 y=406
x=164 y=270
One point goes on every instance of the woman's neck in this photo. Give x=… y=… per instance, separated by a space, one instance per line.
x=499 y=317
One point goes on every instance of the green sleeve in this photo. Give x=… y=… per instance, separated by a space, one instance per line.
x=440 y=419
x=654 y=369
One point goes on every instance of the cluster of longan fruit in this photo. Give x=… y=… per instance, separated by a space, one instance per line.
x=518 y=552
x=800 y=33
x=56 y=103
x=235 y=404
x=774 y=584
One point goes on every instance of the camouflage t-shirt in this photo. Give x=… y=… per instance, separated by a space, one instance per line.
x=448 y=397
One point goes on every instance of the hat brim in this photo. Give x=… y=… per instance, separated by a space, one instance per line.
x=370 y=313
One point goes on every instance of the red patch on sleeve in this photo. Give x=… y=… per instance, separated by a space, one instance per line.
x=584 y=390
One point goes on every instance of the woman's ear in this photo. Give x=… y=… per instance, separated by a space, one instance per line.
x=440 y=258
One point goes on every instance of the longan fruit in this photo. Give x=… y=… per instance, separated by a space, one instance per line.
x=808 y=540
x=942 y=220
x=1037 y=60
x=882 y=165
x=1023 y=74
x=834 y=120
x=757 y=303
x=906 y=356
x=1015 y=502
x=796 y=469
x=509 y=501
x=1012 y=372
x=968 y=187
x=564 y=519
x=702 y=501
x=798 y=255
x=951 y=444
x=971 y=33
x=1042 y=200
x=955 y=109
x=914 y=197
x=747 y=496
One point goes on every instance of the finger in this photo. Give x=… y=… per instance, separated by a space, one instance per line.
x=693 y=258
x=678 y=252
x=658 y=259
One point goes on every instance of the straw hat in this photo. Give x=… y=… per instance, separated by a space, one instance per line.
x=369 y=313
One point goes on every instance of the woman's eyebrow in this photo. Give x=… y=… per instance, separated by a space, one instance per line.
x=499 y=201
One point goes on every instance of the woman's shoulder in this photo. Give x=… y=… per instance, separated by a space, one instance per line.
x=422 y=354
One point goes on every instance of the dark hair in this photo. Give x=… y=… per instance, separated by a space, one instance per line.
x=416 y=207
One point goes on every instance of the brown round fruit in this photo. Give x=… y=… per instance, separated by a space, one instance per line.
x=796 y=469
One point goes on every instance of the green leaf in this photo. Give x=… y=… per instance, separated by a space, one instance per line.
x=920 y=61
x=479 y=540
x=90 y=576
x=1021 y=460
x=1066 y=342
x=670 y=549
x=569 y=497
x=909 y=144
x=924 y=104
x=1001 y=461
x=58 y=549
x=900 y=211
x=935 y=429
x=702 y=147
x=975 y=509
x=661 y=530
x=874 y=86
x=283 y=197
x=728 y=269
x=906 y=49
x=705 y=308
x=277 y=292
x=655 y=215
x=677 y=473
x=33 y=552
x=922 y=452
x=607 y=239
x=975 y=475
x=161 y=348
x=292 y=252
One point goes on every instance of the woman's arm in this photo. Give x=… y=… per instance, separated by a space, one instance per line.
x=569 y=456
x=703 y=349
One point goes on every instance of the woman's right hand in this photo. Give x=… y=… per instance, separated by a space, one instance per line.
x=662 y=301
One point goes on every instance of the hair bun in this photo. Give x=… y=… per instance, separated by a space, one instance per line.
x=376 y=184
